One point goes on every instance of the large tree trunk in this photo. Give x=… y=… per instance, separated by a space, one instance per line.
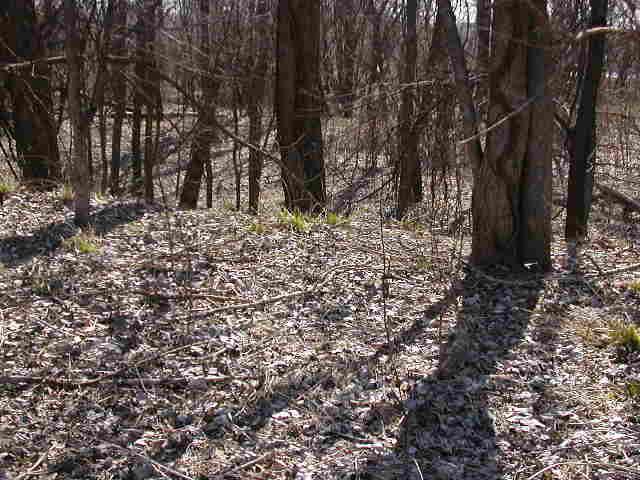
x=204 y=130
x=583 y=141
x=410 y=175
x=34 y=125
x=511 y=194
x=79 y=124
x=299 y=104
x=118 y=91
x=256 y=96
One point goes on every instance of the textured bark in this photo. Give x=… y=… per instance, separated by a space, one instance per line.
x=79 y=125
x=511 y=194
x=256 y=96
x=299 y=104
x=205 y=131
x=29 y=88
x=410 y=175
x=583 y=144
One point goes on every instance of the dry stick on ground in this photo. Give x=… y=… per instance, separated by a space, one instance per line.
x=162 y=468
x=32 y=469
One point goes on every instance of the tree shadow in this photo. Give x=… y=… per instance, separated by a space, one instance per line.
x=448 y=431
x=20 y=249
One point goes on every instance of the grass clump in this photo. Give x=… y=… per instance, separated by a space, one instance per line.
x=334 y=219
x=67 y=193
x=83 y=242
x=257 y=228
x=625 y=337
x=6 y=187
x=634 y=287
x=297 y=220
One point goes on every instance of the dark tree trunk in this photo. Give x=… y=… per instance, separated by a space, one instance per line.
x=138 y=102
x=410 y=175
x=583 y=141
x=29 y=88
x=119 y=92
x=256 y=96
x=299 y=104
x=204 y=130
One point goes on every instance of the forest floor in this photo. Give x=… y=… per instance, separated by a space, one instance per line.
x=213 y=344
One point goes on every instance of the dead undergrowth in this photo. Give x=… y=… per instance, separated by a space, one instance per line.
x=213 y=344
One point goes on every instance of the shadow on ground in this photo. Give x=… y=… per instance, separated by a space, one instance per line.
x=19 y=249
x=448 y=431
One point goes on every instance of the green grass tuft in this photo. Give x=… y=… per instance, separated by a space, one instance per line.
x=297 y=220
x=624 y=336
x=83 y=242
x=257 y=228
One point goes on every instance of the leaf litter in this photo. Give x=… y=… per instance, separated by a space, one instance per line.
x=186 y=345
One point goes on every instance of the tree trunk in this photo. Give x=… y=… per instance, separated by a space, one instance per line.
x=483 y=24
x=583 y=144
x=138 y=102
x=346 y=42
x=29 y=88
x=204 y=130
x=119 y=93
x=410 y=175
x=256 y=96
x=299 y=104
x=152 y=99
x=79 y=126
x=512 y=183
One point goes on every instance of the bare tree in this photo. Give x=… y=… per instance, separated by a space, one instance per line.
x=299 y=104
x=410 y=175
x=201 y=145
x=79 y=124
x=30 y=92
x=118 y=90
x=512 y=183
x=256 y=93
x=582 y=139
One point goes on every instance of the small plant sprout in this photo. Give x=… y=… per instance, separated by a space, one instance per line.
x=297 y=221
x=5 y=189
x=84 y=242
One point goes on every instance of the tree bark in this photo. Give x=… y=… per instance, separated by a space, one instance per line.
x=29 y=88
x=79 y=125
x=299 y=104
x=511 y=194
x=410 y=175
x=583 y=142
